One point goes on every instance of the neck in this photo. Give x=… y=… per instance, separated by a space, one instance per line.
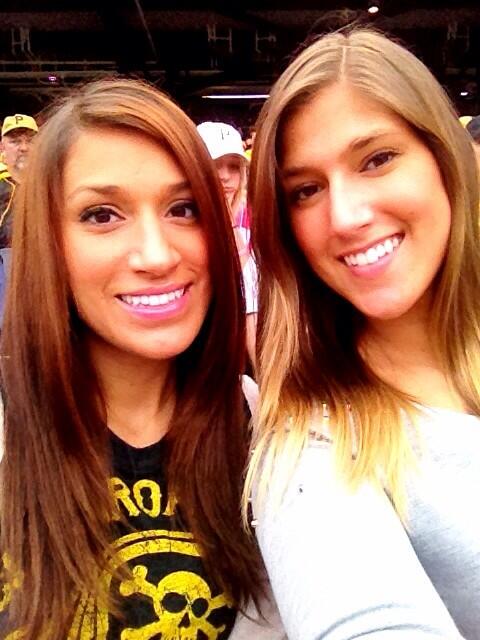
x=401 y=340
x=402 y=353
x=138 y=392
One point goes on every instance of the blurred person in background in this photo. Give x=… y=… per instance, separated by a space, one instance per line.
x=249 y=142
x=225 y=146
x=18 y=132
x=473 y=128
x=16 y=137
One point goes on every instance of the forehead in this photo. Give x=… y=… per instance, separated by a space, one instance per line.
x=229 y=158
x=18 y=133
x=119 y=157
x=333 y=118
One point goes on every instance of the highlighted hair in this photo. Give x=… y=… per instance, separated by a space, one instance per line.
x=55 y=471
x=307 y=348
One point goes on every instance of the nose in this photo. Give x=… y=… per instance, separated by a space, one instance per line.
x=350 y=207
x=24 y=145
x=153 y=250
x=224 y=174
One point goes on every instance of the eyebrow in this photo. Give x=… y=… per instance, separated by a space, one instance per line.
x=111 y=190
x=357 y=144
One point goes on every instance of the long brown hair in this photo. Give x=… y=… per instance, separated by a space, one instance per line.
x=55 y=504
x=307 y=334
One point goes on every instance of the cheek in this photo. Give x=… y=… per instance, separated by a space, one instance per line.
x=88 y=266
x=85 y=279
x=199 y=257
x=193 y=249
x=310 y=234
x=9 y=153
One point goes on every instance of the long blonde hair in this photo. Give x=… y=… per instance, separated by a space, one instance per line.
x=307 y=334
x=240 y=194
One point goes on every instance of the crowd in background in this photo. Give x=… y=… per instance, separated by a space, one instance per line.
x=253 y=365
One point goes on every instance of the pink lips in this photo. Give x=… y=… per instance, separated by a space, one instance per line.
x=372 y=270
x=152 y=313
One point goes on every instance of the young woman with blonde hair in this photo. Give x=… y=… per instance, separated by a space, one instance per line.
x=366 y=451
x=122 y=348
x=225 y=146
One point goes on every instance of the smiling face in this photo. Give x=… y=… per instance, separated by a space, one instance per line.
x=366 y=201
x=135 y=250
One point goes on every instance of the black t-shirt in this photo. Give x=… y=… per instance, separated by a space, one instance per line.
x=169 y=595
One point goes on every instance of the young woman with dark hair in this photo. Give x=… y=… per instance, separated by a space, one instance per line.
x=122 y=348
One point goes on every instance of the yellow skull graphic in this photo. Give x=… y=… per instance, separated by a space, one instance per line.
x=182 y=602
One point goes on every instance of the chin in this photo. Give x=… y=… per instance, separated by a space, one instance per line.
x=386 y=313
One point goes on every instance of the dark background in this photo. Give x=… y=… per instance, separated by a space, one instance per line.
x=190 y=49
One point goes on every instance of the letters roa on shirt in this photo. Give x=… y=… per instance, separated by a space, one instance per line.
x=166 y=594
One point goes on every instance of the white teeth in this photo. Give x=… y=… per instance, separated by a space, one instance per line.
x=380 y=250
x=373 y=254
x=154 y=300
x=388 y=246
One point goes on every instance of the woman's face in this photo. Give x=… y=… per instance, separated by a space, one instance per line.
x=135 y=249
x=229 y=169
x=366 y=201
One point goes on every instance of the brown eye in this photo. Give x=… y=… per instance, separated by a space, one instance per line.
x=99 y=215
x=304 y=192
x=379 y=159
x=187 y=210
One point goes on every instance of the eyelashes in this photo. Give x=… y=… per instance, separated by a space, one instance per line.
x=375 y=162
x=379 y=159
x=304 y=192
x=104 y=215
x=99 y=215
x=187 y=210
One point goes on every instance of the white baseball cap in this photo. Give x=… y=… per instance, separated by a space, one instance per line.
x=221 y=139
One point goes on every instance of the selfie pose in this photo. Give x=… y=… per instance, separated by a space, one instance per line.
x=366 y=463
x=122 y=348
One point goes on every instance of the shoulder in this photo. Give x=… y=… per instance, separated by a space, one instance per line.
x=6 y=184
x=4 y=172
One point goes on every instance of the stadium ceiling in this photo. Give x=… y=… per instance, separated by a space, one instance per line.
x=213 y=48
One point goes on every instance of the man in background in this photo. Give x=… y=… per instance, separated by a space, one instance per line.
x=16 y=138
